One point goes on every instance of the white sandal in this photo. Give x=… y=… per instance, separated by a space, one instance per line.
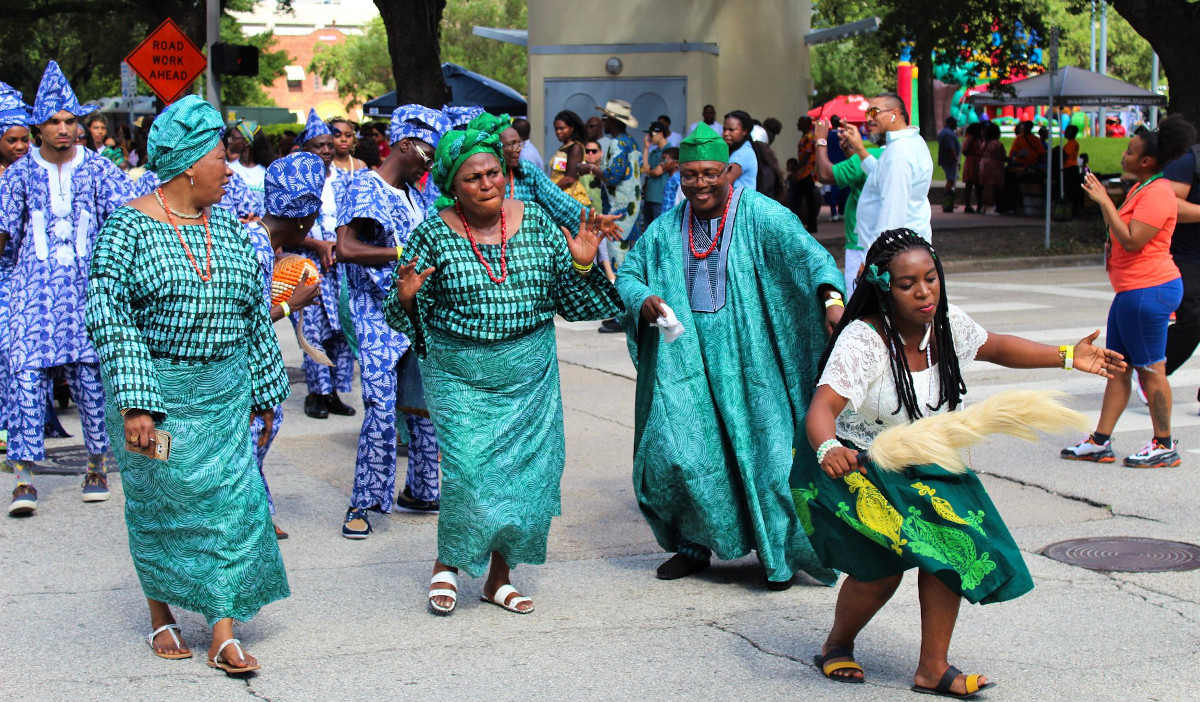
x=500 y=599
x=216 y=662
x=447 y=577
x=172 y=628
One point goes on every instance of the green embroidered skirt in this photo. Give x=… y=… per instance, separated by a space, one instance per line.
x=880 y=524
x=199 y=527
x=497 y=409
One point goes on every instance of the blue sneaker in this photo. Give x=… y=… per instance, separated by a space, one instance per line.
x=24 y=501
x=356 y=525
x=407 y=503
x=95 y=487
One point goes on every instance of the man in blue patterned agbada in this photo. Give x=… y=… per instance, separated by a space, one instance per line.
x=322 y=325
x=52 y=205
x=380 y=211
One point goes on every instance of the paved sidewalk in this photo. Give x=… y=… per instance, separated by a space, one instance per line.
x=73 y=620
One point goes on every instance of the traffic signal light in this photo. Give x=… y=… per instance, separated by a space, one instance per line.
x=233 y=59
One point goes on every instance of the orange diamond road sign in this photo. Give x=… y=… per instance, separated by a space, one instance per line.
x=167 y=60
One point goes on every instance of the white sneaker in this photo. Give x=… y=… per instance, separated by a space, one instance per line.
x=1087 y=450
x=1154 y=456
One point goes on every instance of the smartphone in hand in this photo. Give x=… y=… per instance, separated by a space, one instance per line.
x=159 y=449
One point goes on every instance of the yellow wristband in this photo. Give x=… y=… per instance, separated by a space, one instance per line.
x=583 y=269
x=286 y=310
x=1067 y=354
x=399 y=252
x=835 y=302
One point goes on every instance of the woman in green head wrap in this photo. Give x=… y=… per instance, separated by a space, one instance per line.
x=478 y=296
x=187 y=356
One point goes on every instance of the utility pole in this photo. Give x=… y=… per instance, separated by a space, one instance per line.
x=1154 y=89
x=212 y=26
x=1092 y=26
x=1100 y=127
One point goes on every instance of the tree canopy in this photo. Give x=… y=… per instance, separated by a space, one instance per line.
x=363 y=66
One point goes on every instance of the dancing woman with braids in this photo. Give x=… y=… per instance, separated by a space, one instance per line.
x=897 y=355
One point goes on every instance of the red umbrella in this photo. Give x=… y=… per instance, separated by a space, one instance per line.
x=851 y=108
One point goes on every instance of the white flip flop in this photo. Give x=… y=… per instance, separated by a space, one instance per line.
x=172 y=628
x=447 y=577
x=500 y=599
x=216 y=661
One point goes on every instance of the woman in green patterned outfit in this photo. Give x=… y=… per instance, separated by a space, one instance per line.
x=480 y=314
x=175 y=308
x=897 y=355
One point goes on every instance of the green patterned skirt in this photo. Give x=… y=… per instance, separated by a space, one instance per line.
x=497 y=409
x=881 y=524
x=199 y=527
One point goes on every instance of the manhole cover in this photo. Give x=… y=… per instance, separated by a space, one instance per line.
x=1126 y=554
x=67 y=460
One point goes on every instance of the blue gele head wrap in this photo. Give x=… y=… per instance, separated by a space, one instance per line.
x=417 y=122
x=314 y=128
x=293 y=184
x=55 y=95
x=13 y=110
x=460 y=116
x=182 y=135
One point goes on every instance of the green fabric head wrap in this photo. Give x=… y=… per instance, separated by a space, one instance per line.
x=455 y=147
x=492 y=124
x=703 y=144
x=181 y=135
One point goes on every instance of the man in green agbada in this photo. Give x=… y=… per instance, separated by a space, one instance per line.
x=719 y=414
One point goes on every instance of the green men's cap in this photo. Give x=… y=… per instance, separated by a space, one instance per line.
x=703 y=144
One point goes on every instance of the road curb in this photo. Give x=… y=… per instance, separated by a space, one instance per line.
x=979 y=265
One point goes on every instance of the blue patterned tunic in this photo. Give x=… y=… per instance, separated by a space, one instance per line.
x=53 y=223
x=530 y=184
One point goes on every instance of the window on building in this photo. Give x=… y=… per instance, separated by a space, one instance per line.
x=295 y=77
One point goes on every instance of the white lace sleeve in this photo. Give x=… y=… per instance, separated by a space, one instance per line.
x=968 y=335
x=858 y=358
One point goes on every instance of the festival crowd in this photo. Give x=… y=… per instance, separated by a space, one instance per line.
x=435 y=251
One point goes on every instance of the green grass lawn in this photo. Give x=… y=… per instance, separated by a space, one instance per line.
x=1104 y=154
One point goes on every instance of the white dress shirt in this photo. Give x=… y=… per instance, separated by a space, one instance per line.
x=896 y=193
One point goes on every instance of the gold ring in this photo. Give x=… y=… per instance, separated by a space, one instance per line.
x=133 y=439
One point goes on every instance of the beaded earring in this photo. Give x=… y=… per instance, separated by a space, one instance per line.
x=191 y=181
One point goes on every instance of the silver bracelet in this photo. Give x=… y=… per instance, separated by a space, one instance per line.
x=825 y=448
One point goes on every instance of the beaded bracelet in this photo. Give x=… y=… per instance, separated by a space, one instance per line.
x=825 y=448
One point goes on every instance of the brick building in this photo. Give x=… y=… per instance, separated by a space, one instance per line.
x=311 y=23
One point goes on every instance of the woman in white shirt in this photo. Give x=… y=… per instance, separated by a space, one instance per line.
x=898 y=355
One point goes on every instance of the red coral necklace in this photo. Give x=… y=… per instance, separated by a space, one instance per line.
x=207 y=274
x=479 y=254
x=716 y=238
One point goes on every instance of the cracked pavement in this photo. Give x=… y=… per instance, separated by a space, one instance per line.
x=73 y=621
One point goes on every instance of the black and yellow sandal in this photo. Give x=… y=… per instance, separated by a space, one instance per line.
x=948 y=678
x=828 y=669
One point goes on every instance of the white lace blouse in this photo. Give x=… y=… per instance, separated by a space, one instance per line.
x=859 y=370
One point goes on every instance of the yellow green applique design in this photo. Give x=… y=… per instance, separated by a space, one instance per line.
x=947 y=545
x=802 y=496
x=946 y=511
x=875 y=515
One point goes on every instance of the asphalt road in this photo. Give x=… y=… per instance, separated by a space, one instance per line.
x=73 y=620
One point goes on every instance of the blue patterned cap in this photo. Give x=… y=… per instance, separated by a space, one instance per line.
x=13 y=110
x=55 y=95
x=294 y=183
x=314 y=128
x=460 y=116
x=418 y=122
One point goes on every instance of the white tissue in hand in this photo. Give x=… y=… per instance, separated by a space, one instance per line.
x=669 y=325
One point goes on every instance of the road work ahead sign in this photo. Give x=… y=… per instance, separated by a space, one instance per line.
x=167 y=60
